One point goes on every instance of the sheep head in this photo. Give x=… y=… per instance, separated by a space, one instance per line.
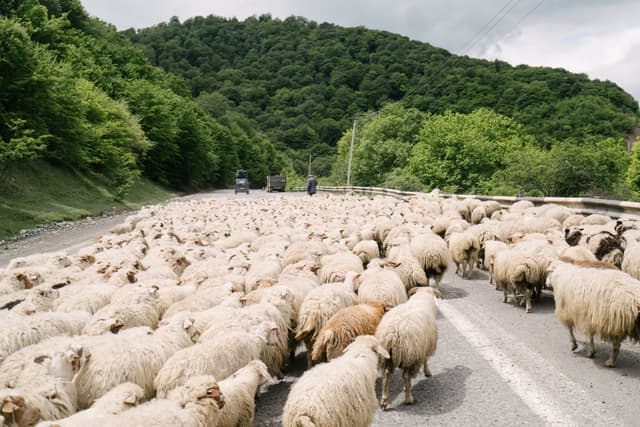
x=14 y=408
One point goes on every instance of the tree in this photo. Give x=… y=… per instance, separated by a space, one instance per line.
x=460 y=153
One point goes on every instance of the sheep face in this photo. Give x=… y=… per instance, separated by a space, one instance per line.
x=14 y=408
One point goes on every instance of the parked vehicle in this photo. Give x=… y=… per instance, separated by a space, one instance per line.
x=276 y=183
x=242 y=182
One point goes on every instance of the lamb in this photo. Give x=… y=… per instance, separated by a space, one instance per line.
x=116 y=401
x=343 y=327
x=197 y=403
x=432 y=253
x=600 y=302
x=409 y=334
x=219 y=356
x=50 y=394
x=26 y=330
x=312 y=400
x=318 y=307
x=464 y=248
x=239 y=391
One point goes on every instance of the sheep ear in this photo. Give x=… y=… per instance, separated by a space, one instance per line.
x=381 y=351
x=131 y=399
x=116 y=326
x=8 y=407
x=41 y=359
x=412 y=291
x=188 y=322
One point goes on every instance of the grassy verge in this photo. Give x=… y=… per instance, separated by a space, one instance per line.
x=40 y=193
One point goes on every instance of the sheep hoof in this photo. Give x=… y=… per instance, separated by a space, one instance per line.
x=574 y=346
x=409 y=401
x=610 y=364
x=590 y=354
x=529 y=310
x=383 y=404
x=427 y=373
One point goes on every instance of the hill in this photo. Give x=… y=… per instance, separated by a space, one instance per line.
x=301 y=82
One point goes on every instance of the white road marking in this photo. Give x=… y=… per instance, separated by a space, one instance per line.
x=546 y=391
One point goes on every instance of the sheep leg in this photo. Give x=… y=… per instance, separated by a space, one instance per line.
x=592 y=348
x=386 y=379
x=527 y=297
x=491 y=275
x=427 y=371
x=505 y=289
x=408 y=397
x=615 y=350
x=309 y=346
x=438 y=279
x=572 y=339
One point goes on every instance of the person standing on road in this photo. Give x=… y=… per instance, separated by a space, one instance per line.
x=311 y=185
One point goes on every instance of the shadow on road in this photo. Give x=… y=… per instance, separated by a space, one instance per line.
x=439 y=394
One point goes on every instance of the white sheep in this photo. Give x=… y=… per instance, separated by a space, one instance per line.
x=432 y=253
x=381 y=285
x=596 y=301
x=131 y=358
x=366 y=250
x=464 y=248
x=137 y=309
x=21 y=331
x=119 y=399
x=631 y=261
x=239 y=392
x=333 y=268
x=219 y=356
x=197 y=403
x=49 y=393
x=491 y=250
x=409 y=334
x=313 y=400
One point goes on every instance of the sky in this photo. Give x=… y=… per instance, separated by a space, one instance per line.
x=600 y=38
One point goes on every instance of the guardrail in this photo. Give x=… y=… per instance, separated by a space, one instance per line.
x=583 y=205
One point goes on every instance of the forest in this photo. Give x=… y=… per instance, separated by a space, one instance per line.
x=185 y=104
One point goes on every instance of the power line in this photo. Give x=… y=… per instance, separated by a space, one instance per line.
x=526 y=15
x=467 y=44
x=492 y=27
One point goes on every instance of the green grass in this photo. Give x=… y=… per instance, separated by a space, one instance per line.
x=39 y=193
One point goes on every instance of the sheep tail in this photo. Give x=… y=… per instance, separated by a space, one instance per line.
x=320 y=346
x=303 y=421
x=304 y=332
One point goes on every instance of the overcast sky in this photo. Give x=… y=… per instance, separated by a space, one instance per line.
x=598 y=37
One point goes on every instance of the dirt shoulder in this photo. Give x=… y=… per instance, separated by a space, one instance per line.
x=69 y=236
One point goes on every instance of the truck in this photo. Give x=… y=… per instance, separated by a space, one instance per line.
x=242 y=181
x=276 y=183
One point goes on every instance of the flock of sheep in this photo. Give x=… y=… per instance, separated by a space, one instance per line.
x=182 y=313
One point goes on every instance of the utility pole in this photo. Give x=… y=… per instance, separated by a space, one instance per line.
x=353 y=138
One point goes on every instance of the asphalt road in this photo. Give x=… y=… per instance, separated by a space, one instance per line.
x=495 y=365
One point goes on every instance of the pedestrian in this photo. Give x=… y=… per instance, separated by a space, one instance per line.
x=311 y=185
